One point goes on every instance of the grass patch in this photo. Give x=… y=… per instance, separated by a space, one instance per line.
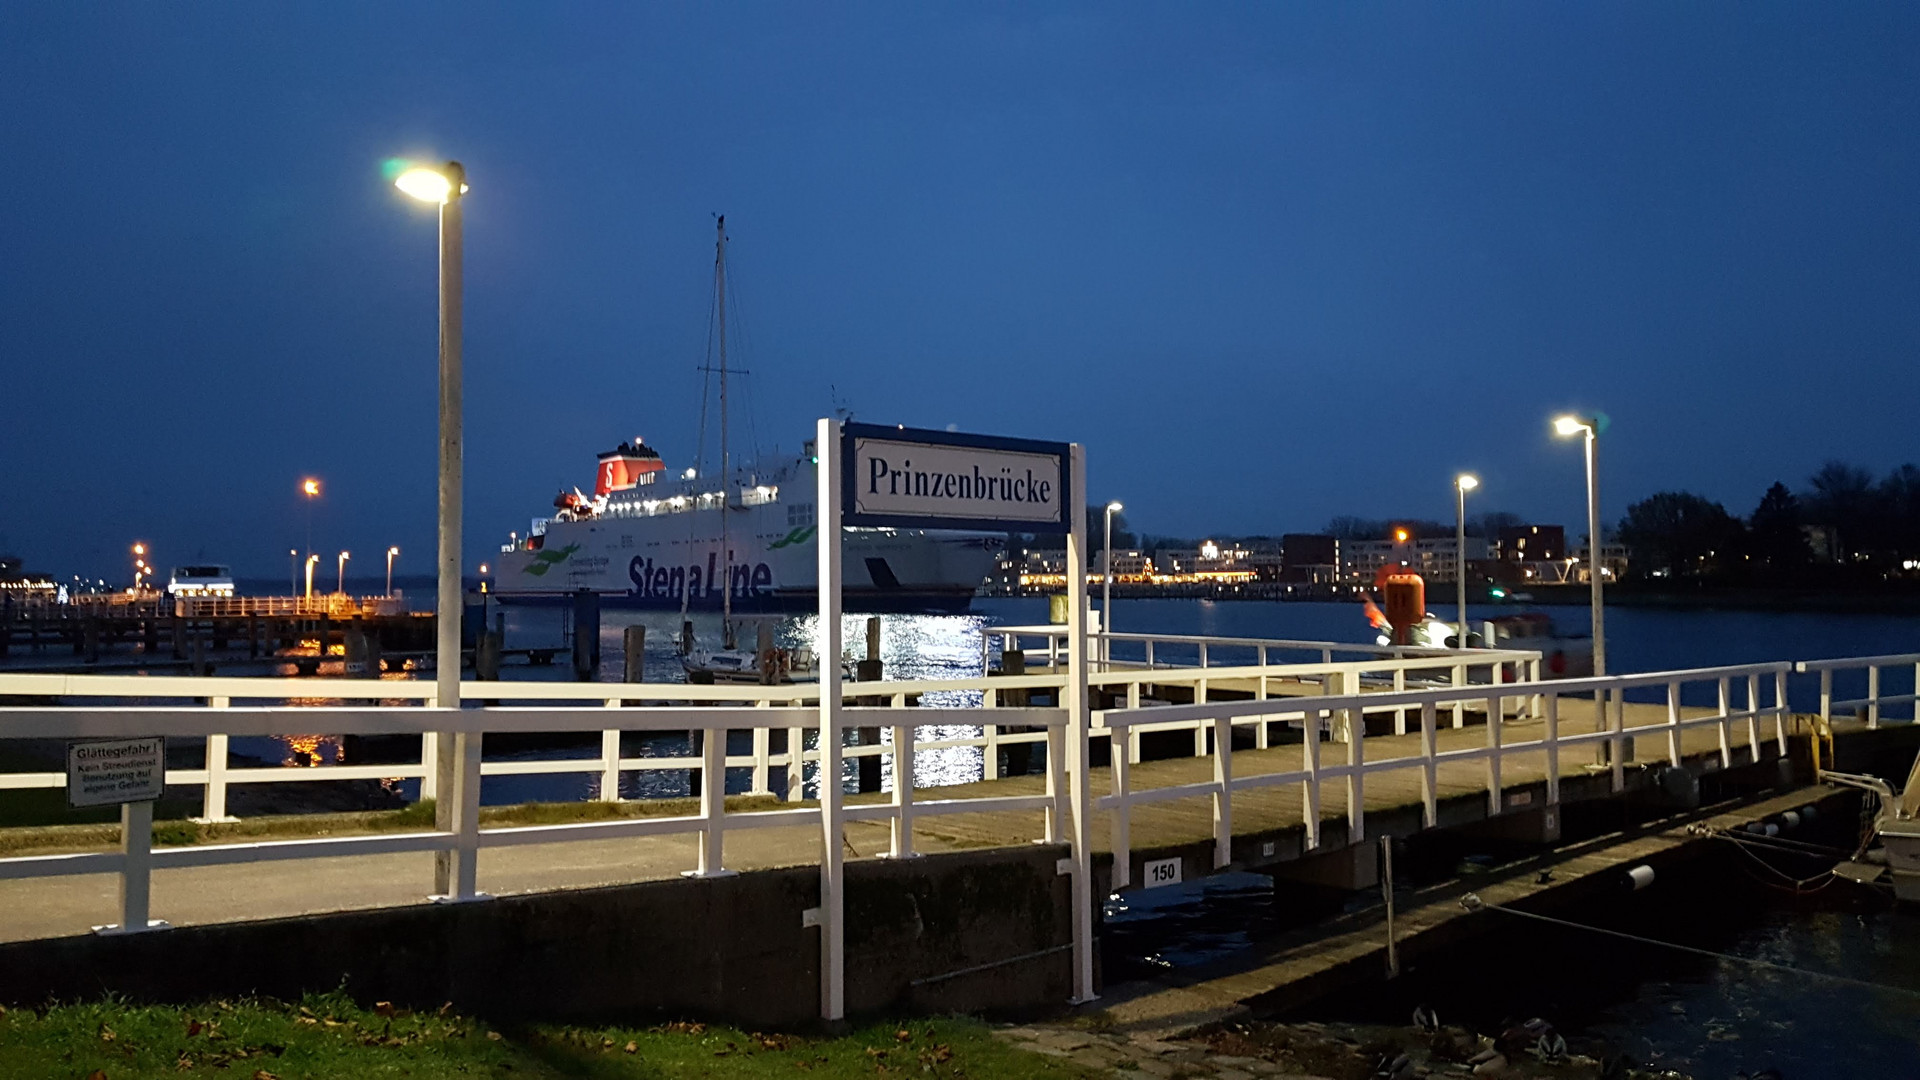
x=328 y=1036
x=50 y=839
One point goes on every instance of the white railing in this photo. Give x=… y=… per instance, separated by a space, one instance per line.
x=136 y=860
x=1874 y=700
x=1345 y=713
x=1053 y=639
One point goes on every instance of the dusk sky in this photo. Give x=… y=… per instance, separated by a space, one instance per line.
x=1270 y=263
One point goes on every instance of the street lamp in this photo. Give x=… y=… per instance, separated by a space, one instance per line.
x=310 y=488
x=1462 y=484
x=293 y=571
x=1569 y=427
x=139 y=564
x=1106 y=578
x=311 y=560
x=341 y=585
x=457 y=757
x=392 y=553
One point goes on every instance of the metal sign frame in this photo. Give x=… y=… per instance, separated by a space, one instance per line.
x=849 y=483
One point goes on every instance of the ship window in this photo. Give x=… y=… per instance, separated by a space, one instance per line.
x=799 y=514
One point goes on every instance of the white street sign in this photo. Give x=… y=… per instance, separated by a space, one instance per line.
x=121 y=771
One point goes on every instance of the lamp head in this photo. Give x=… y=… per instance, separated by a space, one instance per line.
x=431 y=184
x=1572 y=425
x=393 y=551
x=1467 y=481
x=310 y=486
x=1114 y=507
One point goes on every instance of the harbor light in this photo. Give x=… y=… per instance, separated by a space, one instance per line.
x=1588 y=431
x=429 y=184
x=311 y=561
x=1462 y=484
x=341 y=586
x=310 y=487
x=392 y=554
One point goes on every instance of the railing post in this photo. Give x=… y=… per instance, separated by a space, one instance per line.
x=1753 y=719
x=1357 y=781
x=464 y=802
x=1310 y=789
x=1458 y=678
x=1429 y=764
x=1618 y=726
x=429 y=763
x=762 y=753
x=1399 y=711
x=1780 y=709
x=902 y=822
x=713 y=805
x=213 y=804
x=1122 y=820
x=1826 y=699
x=1553 y=749
x=1873 y=695
x=610 y=760
x=1223 y=796
x=1496 y=709
x=1673 y=723
x=136 y=869
x=1058 y=812
x=796 y=764
x=990 y=753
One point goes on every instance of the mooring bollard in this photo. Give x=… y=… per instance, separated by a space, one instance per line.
x=586 y=635
x=633 y=660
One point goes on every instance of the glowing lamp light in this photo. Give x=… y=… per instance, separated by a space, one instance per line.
x=1399 y=536
x=427 y=184
x=1468 y=481
x=1569 y=425
x=1114 y=507
x=310 y=486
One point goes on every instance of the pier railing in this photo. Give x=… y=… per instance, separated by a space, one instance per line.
x=1869 y=707
x=1741 y=693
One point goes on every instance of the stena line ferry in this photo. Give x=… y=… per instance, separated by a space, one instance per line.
x=642 y=540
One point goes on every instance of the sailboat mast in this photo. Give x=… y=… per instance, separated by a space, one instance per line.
x=726 y=469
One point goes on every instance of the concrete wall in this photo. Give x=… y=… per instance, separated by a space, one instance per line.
x=724 y=949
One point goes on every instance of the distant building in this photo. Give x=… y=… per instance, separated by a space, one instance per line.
x=1531 y=543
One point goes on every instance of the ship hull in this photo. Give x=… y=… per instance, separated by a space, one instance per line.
x=656 y=563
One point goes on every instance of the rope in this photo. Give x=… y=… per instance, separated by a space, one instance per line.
x=1473 y=903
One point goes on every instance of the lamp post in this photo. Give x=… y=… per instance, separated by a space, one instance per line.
x=457 y=756
x=311 y=560
x=341 y=585
x=1569 y=426
x=1106 y=583
x=310 y=488
x=1462 y=484
x=392 y=553
x=293 y=571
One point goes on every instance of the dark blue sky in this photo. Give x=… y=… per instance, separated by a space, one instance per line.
x=1270 y=263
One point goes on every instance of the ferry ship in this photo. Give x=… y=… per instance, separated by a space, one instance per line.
x=644 y=541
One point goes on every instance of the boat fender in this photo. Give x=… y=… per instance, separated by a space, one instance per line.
x=1772 y=830
x=1808 y=813
x=1640 y=877
x=1790 y=819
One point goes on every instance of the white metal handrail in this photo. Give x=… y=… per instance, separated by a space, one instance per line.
x=137 y=860
x=1345 y=713
x=1874 y=700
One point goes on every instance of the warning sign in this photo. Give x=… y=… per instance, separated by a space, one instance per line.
x=121 y=771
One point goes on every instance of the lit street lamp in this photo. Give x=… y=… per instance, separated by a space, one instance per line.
x=392 y=553
x=1106 y=585
x=457 y=758
x=1570 y=426
x=311 y=560
x=341 y=586
x=1462 y=484
x=293 y=571
x=310 y=488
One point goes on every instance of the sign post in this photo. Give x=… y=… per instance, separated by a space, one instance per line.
x=132 y=773
x=874 y=475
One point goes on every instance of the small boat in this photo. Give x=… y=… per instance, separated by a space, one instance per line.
x=1896 y=827
x=1561 y=657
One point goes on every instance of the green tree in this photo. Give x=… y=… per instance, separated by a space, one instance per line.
x=1680 y=534
x=1774 y=537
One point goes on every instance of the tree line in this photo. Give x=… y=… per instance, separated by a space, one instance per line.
x=1843 y=525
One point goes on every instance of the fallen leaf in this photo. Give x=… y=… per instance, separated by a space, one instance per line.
x=306 y=1020
x=383 y=1008
x=194 y=1027
x=262 y=1074
x=106 y=1033
x=903 y=1035
x=97 y=1074
x=447 y=1008
x=494 y=1035
x=632 y=1047
x=606 y=1042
